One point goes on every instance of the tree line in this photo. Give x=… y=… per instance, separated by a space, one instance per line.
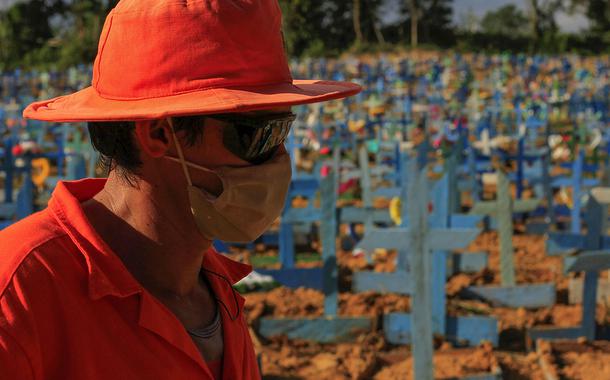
x=63 y=33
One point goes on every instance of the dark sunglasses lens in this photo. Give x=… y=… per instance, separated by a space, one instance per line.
x=256 y=144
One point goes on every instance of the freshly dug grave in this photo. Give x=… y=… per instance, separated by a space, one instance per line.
x=448 y=363
x=285 y=302
x=576 y=360
x=368 y=358
x=371 y=357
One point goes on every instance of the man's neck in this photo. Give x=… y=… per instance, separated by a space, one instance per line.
x=158 y=246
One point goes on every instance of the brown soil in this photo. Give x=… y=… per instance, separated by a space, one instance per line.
x=304 y=302
x=371 y=357
x=306 y=360
x=448 y=363
x=532 y=265
x=576 y=360
x=584 y=361
x=519 y=366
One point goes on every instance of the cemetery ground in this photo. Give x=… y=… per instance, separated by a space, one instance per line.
x=372 y=357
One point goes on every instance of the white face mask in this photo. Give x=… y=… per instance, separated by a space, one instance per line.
x=251 y=199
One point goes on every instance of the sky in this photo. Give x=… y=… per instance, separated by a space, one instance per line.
x=5 y=3
x=567 y=23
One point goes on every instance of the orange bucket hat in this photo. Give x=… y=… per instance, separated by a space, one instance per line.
x=161 y=58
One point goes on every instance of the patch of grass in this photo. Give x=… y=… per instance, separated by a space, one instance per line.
x=263 y=287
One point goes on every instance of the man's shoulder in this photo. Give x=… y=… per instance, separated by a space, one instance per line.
x=19 y=240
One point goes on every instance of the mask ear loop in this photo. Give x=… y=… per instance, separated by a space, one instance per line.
x=180 y=154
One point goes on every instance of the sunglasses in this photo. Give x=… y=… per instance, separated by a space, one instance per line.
x=255 y=138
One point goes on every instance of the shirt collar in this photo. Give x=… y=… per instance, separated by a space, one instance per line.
x=106 y=273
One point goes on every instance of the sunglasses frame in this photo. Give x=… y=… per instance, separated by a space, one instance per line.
x=262 y=128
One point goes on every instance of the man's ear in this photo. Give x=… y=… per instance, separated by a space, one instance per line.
x=154 y=137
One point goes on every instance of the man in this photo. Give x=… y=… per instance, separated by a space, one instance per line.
x=116 y=279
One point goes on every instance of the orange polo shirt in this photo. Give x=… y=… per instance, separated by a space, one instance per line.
x=69 y=309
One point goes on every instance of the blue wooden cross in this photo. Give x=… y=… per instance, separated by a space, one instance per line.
x=538 y=176
x=7 y=206
x=367 y=214
x=11 y=212
x=330 y=327
x=288 y=275
x=428 y=315
x=441 y=217
x=592 y=255
x=509 y=294
x=578 y=184
x=8 y=167
x=502 y=209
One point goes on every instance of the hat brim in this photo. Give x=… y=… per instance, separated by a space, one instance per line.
x=88 y=105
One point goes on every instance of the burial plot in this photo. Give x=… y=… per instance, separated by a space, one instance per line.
x=441 y=217
x=398 y=327
x=509 y=293
x=590 y=254
x=330 y=327
x=426 y=279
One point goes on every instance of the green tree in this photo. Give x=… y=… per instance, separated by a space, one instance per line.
x=598 y=12
x=429 y=21
x=365 y=19
x=468 y=21
x=414 y=14
x=543 y=26
x=42 y=33
x=313 y=27
x=507 y=20
x=357 y=19
x=437 y=22
x=25 y=29
x=303 y=25
x=81 y=28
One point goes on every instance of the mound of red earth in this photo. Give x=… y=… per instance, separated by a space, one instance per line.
x=372 y=357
